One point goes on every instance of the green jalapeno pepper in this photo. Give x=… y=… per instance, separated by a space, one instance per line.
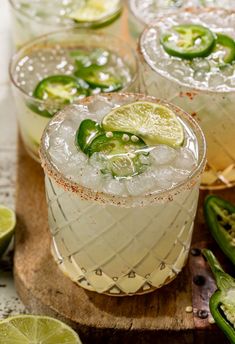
x=224 y=49
x=220 y=217
x=100 y=77
x=222 y=302
x=123 y=155
x=86 y=133
x=188 y=41
x=59 y=89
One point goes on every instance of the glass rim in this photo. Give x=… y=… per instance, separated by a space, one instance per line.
x=134 y=11
x=118 y=200
x=36 y=41
x=145 y=56
x=80 y=25
x=132 y=7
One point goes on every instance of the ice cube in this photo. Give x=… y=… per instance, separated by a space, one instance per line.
x=141 y=184
x=77 y=161
x=91 y=177
x=74 y=114
x=58 y=157
x=200 y=65
x=99 y=108
x=163 y=177
x=216 y=80
x=114 y=186
x=185 y=160
x=163 y=154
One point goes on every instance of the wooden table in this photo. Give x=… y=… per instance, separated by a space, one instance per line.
x=152 y=318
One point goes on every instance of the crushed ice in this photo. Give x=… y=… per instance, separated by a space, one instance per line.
x=168 y=166
x=202 y=73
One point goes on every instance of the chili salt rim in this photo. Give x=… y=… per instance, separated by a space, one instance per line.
x=155 y=24
x=139 y=16
x=100 y=197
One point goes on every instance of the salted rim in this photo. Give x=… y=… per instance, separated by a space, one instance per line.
x=134 y=11
x=87 y=24
x=148 y=60
x=27 y=48
x=125 y=201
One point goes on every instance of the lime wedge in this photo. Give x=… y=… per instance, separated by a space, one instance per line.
x=7 y=225
x=154 y=123
x=33 y=329
x=95 y=10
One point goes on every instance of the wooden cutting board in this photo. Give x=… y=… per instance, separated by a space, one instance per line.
x=151 y=318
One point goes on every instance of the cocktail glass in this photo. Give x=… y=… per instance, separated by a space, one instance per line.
x=50 y=55
x=107 y=240
x=31 y=19
x=206 y=93
x=142 y=13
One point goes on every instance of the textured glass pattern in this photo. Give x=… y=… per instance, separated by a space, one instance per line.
x=119 y=250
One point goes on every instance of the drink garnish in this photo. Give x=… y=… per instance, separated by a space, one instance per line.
x=152 y=122
x=7 y=225
x=224 y=49
x=86 y=133
x=95 y=10
x=188 y=41
x=26 y=329
x=125 y=133
x=62 y=89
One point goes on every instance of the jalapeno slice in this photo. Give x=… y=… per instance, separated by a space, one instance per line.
x=98 y=57
x=100 y=77
x=224 y=50
x=188 y=41
x=60 y=89
x=220 y=217
x=86 y=133
x=122 y=152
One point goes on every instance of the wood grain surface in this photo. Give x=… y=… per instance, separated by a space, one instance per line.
x=98 y=318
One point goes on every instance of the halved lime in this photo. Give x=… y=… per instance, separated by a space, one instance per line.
x=7 y=225
x=154 y=123
x=95 y=10
x=33 y=329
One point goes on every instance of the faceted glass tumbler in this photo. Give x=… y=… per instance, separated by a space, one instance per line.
x=117 y=250
x=114 y=244
x=212 y=108
x=31 y=122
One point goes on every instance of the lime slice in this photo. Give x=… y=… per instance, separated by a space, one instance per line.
x=33 y=329
x=7 y=225
x=95 y=10
x=154 y=123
